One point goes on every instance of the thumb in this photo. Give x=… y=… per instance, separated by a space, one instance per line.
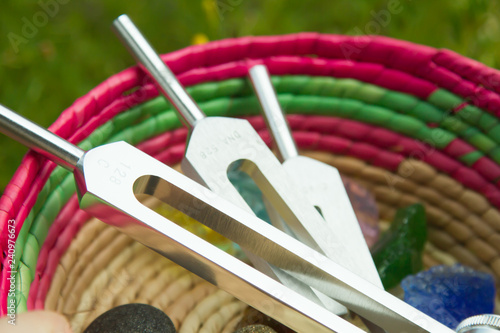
x=36 y=321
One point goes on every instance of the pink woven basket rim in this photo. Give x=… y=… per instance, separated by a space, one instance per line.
x=424 y=69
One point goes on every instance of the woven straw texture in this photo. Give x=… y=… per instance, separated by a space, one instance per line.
x=409 y=122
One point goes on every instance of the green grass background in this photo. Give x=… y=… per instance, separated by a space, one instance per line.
x=76 y=50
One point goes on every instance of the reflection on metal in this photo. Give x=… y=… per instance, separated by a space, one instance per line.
x=215 y=143
x=321 y=185
x=108 y=178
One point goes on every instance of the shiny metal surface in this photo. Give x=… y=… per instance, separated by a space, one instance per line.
x=479 y=329
x=113 y=173
x=165 y=79
x=39 y=139
x=273 y=115
x=146 y=176
x=485 y=323
x=106 y=177
x=214 y=144
x=111 y=178
x=320 y=183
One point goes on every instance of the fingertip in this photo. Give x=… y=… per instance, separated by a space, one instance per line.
x=35 y=321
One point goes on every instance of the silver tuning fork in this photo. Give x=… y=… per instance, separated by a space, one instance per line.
x=320 y=183
x=215 y=143
x=111 y=179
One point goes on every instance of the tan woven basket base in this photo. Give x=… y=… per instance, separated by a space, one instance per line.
x=120 y=271
x=103 y=268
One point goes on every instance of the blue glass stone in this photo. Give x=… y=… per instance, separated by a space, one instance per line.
x=450 y=294
x=249 y=191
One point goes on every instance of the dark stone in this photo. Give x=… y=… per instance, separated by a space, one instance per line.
x=450 y=294
x=132 y=318
x=255 y=329
x=253 y=317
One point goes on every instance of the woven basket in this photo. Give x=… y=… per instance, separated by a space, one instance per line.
x=411 y=123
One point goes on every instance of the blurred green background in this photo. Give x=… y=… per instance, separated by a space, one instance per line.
x=43 y=70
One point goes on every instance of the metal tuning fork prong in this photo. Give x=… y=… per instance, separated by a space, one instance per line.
x=110 y=180
x=215 y=143
x=321 y=183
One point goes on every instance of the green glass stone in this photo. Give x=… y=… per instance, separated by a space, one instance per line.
x=398 y=252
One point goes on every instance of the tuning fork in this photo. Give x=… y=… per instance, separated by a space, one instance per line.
x=215 y=143
x=110 y=180
x=321 y=183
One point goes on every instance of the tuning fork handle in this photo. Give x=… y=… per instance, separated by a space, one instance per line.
x=274 y=116
x=165 y=80
x=39 y=139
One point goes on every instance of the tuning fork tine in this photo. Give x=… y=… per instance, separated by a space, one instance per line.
x=165 y=80
x=321 y=183
x=214 y=144
x=111 y=178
